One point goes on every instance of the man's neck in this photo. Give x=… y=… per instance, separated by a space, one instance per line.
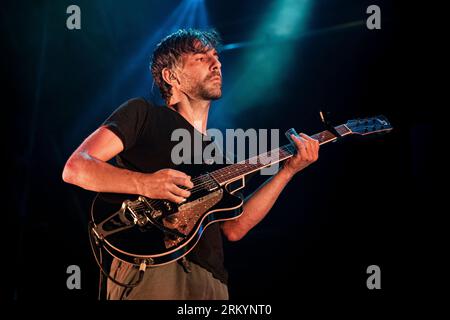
x=194 y=111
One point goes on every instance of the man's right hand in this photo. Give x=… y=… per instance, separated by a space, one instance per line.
x=165 y=184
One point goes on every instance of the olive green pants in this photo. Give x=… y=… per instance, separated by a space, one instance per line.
x=168 y=282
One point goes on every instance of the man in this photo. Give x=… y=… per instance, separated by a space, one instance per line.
x=187 y=70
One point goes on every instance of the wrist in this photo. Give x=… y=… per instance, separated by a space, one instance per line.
x=286 y=174
x=138 y=182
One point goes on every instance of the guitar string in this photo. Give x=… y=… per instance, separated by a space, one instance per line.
x=324 y=136
x=226 y=171
x=226 y=174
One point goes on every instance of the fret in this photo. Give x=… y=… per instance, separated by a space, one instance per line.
x=240 y=169
x=327 y=136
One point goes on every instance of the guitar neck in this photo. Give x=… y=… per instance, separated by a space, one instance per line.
x=237 y=171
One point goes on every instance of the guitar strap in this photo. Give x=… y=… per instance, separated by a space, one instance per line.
x=186 y=264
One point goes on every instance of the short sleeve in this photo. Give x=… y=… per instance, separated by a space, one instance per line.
x=128 y=121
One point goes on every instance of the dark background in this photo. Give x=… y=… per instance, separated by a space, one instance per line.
x=366 y=201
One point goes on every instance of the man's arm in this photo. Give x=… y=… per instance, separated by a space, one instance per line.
x=261 y=201
x=88 y=168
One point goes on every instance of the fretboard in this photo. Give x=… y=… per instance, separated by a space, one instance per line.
x=238 y=170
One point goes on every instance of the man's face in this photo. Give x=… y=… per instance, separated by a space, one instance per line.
x=201 y=76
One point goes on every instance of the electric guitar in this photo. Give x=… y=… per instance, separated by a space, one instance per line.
x=139 y=230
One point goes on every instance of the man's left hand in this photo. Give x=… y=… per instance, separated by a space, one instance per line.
x=307 y=153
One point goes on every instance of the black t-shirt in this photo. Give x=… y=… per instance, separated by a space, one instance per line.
x=145 y=131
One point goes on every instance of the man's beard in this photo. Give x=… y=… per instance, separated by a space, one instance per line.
x=204 y=90
x=207 y=90
x=209 y=93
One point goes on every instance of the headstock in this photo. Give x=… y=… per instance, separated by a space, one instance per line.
x=367 y=126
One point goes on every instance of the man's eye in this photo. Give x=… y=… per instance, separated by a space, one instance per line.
x=200 y=59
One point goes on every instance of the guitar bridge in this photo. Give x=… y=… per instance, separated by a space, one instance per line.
x=141 y=211
x=131 y=213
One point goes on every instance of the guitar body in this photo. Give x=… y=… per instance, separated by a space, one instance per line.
x=135 y=229
x=139 y=230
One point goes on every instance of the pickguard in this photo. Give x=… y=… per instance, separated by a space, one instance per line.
x=188 y=215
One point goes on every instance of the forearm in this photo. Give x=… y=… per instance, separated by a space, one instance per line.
x=93 y=174
x=257 y=206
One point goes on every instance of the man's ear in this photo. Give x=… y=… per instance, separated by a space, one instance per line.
x=170 y=77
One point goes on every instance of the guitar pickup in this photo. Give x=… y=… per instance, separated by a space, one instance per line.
x=210 y=184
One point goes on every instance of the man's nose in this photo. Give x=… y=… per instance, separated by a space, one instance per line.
x=215 y=65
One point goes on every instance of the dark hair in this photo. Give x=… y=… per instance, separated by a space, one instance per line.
x=170 y=49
